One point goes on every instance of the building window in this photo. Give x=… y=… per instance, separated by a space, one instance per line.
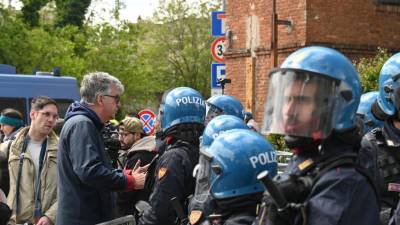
x=388 y=2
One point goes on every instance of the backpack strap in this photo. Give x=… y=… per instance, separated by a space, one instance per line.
x=18 y=184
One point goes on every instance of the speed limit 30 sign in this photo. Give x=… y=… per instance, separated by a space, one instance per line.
x=218 y=49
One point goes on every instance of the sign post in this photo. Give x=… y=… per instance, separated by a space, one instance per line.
x=217 y=51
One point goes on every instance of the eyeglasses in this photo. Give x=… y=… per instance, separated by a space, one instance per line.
x=124 y=134
x=115 y=97
x=49 y=114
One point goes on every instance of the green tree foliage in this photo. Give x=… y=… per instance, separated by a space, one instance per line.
x=178 y=46
x=169 y=50
x=28 y=48
x=369 y=69
x=277 y=142
x=71 y=12
x=115 y=50
x=30 y=11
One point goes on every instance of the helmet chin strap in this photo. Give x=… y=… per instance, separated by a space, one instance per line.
x=378 y=112
x=300 y=144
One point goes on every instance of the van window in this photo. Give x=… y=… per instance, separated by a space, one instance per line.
x=63 y=105
x=388 y=2
x=15 y=103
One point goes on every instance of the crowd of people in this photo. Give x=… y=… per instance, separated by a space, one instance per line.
x=209 y=161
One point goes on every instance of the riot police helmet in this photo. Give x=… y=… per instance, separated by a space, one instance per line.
x=229 y=167
x=314 y=92
x=223 y=105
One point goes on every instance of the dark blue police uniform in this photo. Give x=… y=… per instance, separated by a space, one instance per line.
x=380 y=155
x=173 y=178
x=339 y=196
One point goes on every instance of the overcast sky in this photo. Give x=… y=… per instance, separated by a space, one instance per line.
x=133 y=8
x=102 y=8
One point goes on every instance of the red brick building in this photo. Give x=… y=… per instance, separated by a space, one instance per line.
x=354 y=27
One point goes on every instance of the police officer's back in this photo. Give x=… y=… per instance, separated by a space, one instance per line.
x=182 y=113
x=312 y=100
x=380 y=152
x=200 y=207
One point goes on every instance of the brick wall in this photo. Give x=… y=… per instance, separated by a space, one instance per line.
x=355 y=23
x=354 y=27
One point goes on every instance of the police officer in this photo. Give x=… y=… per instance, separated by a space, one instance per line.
x=181 y=114
x=364 y=112
x=223 y=105
x=200 y=209
x=380 y=148
x=228 y=171
x=312 y=100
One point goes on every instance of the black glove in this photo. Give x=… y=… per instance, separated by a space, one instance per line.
x=286 y=217
x=5 y=213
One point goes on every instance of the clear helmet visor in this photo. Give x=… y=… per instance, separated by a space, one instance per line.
x=211 y=113
x=396 y=93
x=202 y=176
x=299 y=104
x=160 y=113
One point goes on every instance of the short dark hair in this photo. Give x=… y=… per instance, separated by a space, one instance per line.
x=40 y=102
x=13 y=113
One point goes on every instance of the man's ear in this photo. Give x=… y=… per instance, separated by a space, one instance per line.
x=99 y=100
x=33 y=114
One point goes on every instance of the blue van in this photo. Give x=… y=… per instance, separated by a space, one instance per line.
x=17 y=90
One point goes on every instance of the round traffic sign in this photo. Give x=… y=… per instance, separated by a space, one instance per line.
x=148 y=119
x=218 y=49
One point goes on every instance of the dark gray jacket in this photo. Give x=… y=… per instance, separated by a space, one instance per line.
x=342 y=196
x=380 y=155
x=86 y=179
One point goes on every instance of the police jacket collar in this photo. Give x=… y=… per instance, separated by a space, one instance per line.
x=174 y=142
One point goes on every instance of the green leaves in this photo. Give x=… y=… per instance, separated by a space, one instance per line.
x=369 y=69
x=182 y=43
x=71 y=12
x=28 y=49
x=169 y=50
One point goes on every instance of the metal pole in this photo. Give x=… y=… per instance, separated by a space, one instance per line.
x=274 y=36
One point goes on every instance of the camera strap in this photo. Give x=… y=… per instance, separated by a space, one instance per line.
x=37 y=187
x=21 y=162
x=37 y=213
